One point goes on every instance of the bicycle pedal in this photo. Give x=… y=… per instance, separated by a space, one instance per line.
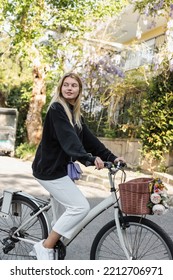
x=8 y=247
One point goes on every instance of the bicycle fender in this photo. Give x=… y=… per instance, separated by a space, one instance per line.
x=36 y=202
x=6 y=201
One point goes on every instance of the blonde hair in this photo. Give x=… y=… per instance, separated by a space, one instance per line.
x=59 y=98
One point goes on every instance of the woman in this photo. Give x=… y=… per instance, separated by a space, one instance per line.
x=66 y=136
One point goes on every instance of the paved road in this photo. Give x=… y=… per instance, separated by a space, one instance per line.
x=15 y=173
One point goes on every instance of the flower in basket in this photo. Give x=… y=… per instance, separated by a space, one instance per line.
x=155 y=198
x=158 y=197
x=158 y=209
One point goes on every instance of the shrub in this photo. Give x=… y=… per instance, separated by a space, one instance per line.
x=157 y=116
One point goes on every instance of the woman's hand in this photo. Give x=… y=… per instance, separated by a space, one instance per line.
x=119 y=159
x=99 y=163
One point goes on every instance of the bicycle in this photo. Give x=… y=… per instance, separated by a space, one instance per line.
x=24 y=220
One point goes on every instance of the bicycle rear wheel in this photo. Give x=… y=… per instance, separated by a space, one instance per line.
x=145 y=239
x=22 y=208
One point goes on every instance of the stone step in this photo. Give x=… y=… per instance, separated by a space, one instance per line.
x=166 y=178
x=100 y=179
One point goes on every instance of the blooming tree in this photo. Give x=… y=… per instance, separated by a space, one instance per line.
x=40 y=32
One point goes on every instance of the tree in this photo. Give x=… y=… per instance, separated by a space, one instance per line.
x=151 y=7
x=40 y=32
x=22 y=21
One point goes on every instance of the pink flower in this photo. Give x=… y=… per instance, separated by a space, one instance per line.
x=158 y=191
x=155 y=198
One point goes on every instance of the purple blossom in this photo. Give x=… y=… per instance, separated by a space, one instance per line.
x=120 y=73
x=101 y=62
x=156 y=66
x=146 y=11
x=151 y=24
x=171 y=11
x=158 y=6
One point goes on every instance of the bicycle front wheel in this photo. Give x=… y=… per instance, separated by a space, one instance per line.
x=21 y=209
x=145 y=241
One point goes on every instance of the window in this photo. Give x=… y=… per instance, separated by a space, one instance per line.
x=143 y=54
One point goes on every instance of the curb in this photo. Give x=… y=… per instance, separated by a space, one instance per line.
x=100 y=179
x=102 y=182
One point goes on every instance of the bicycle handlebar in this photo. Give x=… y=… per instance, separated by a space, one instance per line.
x=109 y=165
x=119 y=164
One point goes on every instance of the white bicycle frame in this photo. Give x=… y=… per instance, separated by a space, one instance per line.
x=111 y=200
x=93 y=213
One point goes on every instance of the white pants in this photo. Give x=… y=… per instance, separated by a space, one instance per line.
x=76 y=205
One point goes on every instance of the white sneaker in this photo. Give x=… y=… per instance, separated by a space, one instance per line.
x=32 y=254
x=42 y=252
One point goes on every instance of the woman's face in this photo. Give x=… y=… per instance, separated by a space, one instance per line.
x=70 y=90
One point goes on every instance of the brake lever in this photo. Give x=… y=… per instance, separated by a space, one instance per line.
x=120 y=164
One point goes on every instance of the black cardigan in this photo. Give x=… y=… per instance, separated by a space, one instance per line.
x=62 y=141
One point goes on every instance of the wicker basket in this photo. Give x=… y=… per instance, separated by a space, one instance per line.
x=134 y=196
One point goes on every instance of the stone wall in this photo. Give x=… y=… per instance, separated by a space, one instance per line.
x=131 y=151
